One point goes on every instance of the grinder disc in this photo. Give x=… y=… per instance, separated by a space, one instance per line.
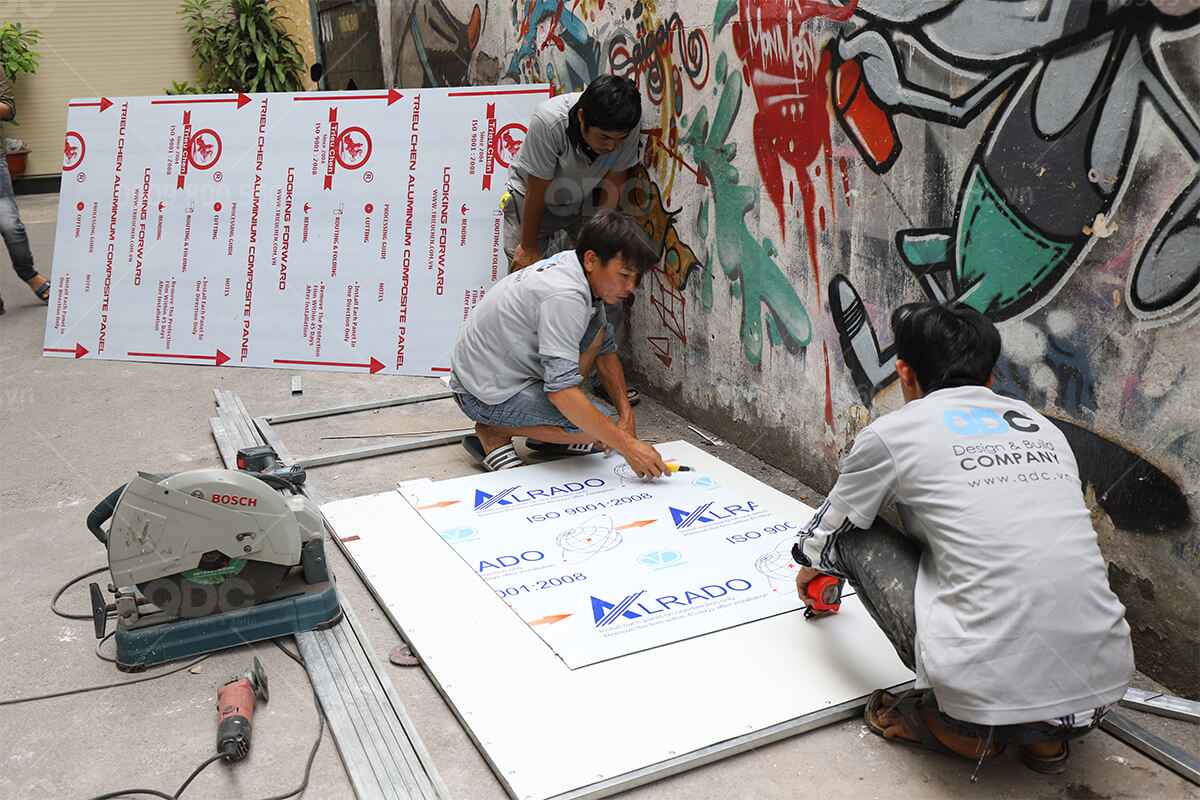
x=217 y=585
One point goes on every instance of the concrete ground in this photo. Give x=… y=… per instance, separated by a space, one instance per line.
x=76 y=429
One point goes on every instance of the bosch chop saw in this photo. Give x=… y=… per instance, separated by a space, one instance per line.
x=209 y=559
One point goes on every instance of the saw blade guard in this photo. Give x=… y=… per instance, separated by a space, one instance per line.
x=163 y=527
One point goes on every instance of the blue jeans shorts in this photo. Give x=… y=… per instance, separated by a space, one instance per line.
x=528 y=407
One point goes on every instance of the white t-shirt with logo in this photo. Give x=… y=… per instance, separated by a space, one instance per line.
x=1015 y=618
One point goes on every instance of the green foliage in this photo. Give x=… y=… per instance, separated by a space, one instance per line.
x=241 y=46
x=16 y=49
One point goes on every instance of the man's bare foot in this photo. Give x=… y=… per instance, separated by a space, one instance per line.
x=895 y=727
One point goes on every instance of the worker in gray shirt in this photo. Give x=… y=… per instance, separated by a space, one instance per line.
x=996 y=595
x=525 y=348
x=573 y=163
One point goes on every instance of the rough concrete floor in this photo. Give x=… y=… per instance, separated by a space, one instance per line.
x=75 y=429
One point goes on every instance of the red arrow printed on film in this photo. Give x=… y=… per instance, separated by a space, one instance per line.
x=374 y=366
x=442 y=504
x=548 y=620
x=241 y=100
x=104 y=103
x=218 y=359
x=391 y=97
x=79 y=350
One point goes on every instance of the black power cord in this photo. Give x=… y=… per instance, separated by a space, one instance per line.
x=312 y=754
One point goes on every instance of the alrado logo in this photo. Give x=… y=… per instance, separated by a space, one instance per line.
x=707 y=513
x=633 y=606
x=512 y=495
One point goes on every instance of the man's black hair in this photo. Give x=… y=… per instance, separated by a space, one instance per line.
x=946 y=345
x=614 y=233
x=609 y=103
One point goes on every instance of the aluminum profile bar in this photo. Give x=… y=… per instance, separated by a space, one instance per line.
x=1173 y=758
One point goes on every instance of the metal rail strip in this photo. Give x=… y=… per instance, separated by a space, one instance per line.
x=1157 y=748
x=378 y=742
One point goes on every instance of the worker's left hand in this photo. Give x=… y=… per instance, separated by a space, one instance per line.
x=805 y=576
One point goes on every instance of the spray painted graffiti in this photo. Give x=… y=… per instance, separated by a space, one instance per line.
x=650 y=54
x=1043 y=185
x=553 y=46
x=645 y=203
x=748 y=263
x=790 y=79
x=676 y=263
x=433 y=47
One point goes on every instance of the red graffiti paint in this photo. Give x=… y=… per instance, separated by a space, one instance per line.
x=790 y=78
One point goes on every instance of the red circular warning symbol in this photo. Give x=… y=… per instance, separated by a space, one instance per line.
x=204 y=148
x=353 y=148
x=508 y=141
x=73 y=150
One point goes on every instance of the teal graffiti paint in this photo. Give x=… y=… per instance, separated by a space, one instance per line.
x=758 y=281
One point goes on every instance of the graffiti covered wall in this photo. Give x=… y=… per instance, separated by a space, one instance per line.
x=809 y=166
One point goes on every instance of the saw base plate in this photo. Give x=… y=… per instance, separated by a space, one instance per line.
x=311 y=607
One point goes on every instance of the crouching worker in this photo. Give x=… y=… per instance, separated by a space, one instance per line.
x=523 y=351
x=997 y=597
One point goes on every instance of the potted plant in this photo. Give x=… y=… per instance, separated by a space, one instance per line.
x=17 y=58
x=241 y=46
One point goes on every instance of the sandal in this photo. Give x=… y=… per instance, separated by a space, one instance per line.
x=552 y=448
x=43 y=292
x=1054 y=765
x=503 y=457
x=632 y=394
x=908 y=705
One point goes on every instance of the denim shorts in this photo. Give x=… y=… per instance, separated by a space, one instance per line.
x=528 y=407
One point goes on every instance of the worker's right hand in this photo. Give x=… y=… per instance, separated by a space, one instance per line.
x=524 y=256
x=644 y=460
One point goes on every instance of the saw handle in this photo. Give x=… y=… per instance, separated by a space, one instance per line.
x=103 y=512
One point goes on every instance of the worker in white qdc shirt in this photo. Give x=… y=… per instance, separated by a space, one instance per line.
x=997 y=596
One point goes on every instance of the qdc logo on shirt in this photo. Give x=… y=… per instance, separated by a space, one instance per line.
x=456 y=535
x=985 y=422
x=660 y=559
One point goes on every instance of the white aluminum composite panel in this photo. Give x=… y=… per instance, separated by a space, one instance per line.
x=549 y=730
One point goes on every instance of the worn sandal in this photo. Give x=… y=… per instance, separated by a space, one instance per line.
x=632 y=394
x=503 y=457
x=553 y=448
x=43 y=292
x=908 y=705
x=1055 y=765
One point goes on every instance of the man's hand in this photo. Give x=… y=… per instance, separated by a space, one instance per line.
x=644 y=460
x=524 y=256
x=805 y=576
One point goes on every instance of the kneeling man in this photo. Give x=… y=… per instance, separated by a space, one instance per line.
x=523 y=351
x=998 y=595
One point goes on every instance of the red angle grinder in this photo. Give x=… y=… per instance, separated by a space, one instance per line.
x=235 y=711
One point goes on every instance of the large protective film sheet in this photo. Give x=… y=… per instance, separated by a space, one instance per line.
x=602 y=563
x=328 y=230
x=552 y=731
